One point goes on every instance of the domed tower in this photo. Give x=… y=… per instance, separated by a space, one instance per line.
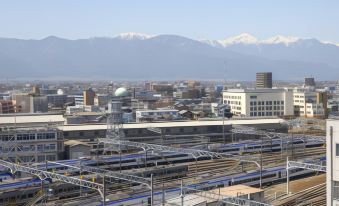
x=114 y=116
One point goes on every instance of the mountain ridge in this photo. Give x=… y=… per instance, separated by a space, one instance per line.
x=140 y=56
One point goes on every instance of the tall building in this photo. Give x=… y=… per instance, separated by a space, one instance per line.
x=264 y=80
x=259 y=102
x=309 y=82
x=89 y=95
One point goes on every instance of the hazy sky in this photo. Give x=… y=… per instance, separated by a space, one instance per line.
x=212 y=19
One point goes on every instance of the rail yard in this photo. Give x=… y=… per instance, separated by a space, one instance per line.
x=132 y=175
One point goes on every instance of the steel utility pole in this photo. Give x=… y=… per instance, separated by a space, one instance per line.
x=261 y=161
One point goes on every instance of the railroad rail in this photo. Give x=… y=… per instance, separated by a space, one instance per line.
x=194 y=152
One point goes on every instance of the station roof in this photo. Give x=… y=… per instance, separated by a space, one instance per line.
x=31 y=118
x=176 y=124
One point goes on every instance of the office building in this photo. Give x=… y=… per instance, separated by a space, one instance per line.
x=89 y=95
x=259 y=102
x=264 y=80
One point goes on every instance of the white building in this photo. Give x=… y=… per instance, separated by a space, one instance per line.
x=332 y=161
x=309 y=103
x=35 y=143
x=150 y=115
x=259 y=102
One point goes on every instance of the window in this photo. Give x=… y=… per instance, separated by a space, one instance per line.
x=337 y=149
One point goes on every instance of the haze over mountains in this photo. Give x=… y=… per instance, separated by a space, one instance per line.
x=137 y=56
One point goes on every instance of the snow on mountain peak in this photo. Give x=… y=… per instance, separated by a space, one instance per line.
x=133 y=36
x=243 y=38
x=281 y=40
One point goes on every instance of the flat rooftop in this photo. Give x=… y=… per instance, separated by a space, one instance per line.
x=31 y=118
x=236 y=190
x=175 y=124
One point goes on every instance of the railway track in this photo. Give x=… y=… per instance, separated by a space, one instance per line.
x=199 y=171
x=312 y=196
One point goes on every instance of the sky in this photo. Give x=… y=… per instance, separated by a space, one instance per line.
x=197 y=19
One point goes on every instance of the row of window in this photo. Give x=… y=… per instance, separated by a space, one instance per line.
x=262 y=114
x=232 y=97
x=267 y=108
x=254 y=103
x=28 y=136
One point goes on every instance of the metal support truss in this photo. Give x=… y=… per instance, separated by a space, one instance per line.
x=194 y=152
x=306 y=166
x=43 y=175
x=224 y=199
x=108 y=174
x=301 y=165
x=240 y=129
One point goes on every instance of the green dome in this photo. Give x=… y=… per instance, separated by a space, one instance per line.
x=121 y=92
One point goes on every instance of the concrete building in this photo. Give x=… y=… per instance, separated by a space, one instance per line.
x=309 y=103
x=332 y=162
x=238 y=191
x=57 y=100
x=309 y=82
x=22 y=101
x=264 y=80
x=38 y=104
x=29 y=103
x=89 y=95
x=101 y=100
x=75 y=149
x=77 y=98
x=164 y=89
x=259 y=102
x=156 y=115
x=6 y=107
x=36 y=143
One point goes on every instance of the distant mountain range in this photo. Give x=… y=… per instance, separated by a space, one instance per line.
x=137 y=56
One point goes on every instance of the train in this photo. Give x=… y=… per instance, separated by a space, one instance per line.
x=269 y=176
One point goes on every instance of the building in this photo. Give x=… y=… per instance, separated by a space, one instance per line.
x=102 y=100
x=38 y=104
x=6 y=106
x=164 y=89
x=75 y=149
x=264 y=80
x=155 y=115
x=22 y=101
x=238 y=191
x=89 y=95
x=36 y=143
x=30 y=103
x=56 y=100
x=259 y=102
x=309 y=82
x=77 y=98
x=309 y=103
x=332 y=162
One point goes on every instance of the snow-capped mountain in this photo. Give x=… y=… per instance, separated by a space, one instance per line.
x=133 y=36
x=141 y=56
